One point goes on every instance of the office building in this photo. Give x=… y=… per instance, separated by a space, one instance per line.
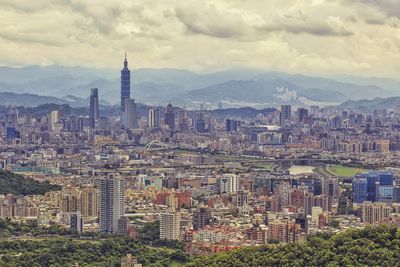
x=286 y=114
x=182 y=120
x=131 y=119
x=330 y=187
x=111 y=203
x=374 y=186
x=302 y=115
x=170 y=117
x=170 y=224
x=94 y=106
x=11 y=134
x=200 y=122
x=359 y=188
x=231 y=125
x=154 y=118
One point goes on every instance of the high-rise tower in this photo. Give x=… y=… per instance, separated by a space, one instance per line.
x=111 y=203
x=130 y=118
x=286 y=114
x=170 y=117
x=154 y=118
x=125 y=84
x=94 y=106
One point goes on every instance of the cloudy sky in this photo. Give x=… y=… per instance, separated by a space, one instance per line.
x=300 y=36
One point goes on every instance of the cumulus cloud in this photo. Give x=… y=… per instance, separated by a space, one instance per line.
x=299 y=22
x=318 y=36
x=390 y=7
x=208 y=20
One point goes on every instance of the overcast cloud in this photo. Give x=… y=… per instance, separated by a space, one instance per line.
x=359 y=37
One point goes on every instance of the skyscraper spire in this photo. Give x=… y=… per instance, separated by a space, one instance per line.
x=126 y=61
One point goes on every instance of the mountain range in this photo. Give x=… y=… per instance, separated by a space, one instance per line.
x=231 y=88
x=371 y=104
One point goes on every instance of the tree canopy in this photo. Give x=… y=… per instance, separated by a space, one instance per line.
x=371 y=246
x=63 y=251
x=11 y=183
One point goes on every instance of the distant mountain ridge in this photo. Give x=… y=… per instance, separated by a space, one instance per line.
x=371 y=104
x=233 y=88
x=28 y=100
x=80 y=105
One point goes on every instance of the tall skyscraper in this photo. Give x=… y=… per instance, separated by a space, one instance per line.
x=170 y=117
x=360 y=189
x=200 y=123
x=302 y=115
x=125 y=86
x=111 y=203
x=182 y=120
x=94 y=106
x=286 y=113
x=131 y=120
x=154 y=118
x=11 y=134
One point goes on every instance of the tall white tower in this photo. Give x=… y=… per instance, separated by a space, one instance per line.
x=111 y=203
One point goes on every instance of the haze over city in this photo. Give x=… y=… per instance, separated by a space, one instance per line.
x=309 y=37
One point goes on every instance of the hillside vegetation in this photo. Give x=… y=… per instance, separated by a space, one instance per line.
x=11 y=183
x=65 y=252
x=371 y=246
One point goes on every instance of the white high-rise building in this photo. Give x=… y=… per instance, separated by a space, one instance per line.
x=54 y=116
x=154 y=118
x=170 y=226
x=228 y=183
x=111 y=203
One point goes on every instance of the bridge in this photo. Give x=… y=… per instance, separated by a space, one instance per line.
x=157 y=145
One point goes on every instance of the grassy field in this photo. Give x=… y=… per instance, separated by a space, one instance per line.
x=262 y=165
x=343 y=170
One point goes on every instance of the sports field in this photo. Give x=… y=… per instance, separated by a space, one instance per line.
x=344 y=171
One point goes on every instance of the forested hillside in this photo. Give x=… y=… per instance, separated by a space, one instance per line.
x=372 y=246
x=11 y=183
